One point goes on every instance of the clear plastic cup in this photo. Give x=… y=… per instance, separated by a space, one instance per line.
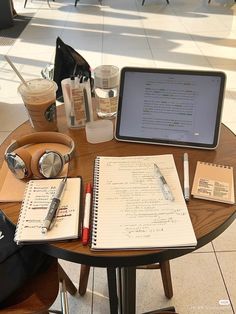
x=106 y=84
x=39 y=97
x=99 y=131
x=78 y=102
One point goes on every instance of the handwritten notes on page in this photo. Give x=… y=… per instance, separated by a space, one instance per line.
x=37 y=198
x=130 y=210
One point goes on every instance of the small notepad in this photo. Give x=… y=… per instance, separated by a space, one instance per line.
x=37 y=198
x=214 y=182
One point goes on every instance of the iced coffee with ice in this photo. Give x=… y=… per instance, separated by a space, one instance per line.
x=39 y=97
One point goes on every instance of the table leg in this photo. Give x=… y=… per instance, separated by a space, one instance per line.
x=128 y=287
x=112 y=289
x=122 y=298
x=119 y=291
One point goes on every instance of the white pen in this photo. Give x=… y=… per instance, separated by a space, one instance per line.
x=51 y=215
x=186 y=177
x=165 y=187
x=72 y=109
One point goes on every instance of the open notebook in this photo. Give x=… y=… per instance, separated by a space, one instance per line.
x=130 y=210
x=37 y=198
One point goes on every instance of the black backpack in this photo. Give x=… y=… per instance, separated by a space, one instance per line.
x=17 y=263
x=68 y=62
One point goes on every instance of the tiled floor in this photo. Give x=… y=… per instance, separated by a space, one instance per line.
x=185 y=34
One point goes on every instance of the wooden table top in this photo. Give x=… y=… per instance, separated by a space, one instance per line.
x=209 y=218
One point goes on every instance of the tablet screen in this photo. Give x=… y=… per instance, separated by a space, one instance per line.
x=171 y=107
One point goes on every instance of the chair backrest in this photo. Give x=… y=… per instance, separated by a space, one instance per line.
x=37 y=294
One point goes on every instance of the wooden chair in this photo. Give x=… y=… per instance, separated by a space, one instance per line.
x=163 y=266
x=39 y=293
x=166 y=1
x=165 y=276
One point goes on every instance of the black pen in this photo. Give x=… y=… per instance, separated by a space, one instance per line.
x=86 y=105
x=48 y=221
x=72 y=109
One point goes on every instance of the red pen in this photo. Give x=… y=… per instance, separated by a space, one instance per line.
x=88 y=195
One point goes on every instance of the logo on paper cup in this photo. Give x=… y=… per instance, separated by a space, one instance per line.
x=50 y=113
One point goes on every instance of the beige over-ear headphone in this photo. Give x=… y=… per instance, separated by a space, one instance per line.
x=43 y=163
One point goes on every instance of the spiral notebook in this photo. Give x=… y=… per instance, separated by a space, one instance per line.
x=214 y=182
x=37 y=198
x=130 y=210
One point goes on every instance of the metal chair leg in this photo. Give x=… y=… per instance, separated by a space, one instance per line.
x=63 y=296
x=47 y=2
x=70 y=287
x=65 y=285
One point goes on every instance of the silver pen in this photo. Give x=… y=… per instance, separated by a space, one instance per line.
x=165 y=187
x=72 y=109
x=186 y=177
x=51 y=215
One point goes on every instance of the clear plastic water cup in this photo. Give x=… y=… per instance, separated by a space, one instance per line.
x=106 y=84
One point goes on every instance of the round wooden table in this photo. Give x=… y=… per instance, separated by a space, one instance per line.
x=209 y=218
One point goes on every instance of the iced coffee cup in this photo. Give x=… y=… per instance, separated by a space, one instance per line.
x=39 y=97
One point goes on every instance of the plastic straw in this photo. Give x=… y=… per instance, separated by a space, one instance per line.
x=16 y=71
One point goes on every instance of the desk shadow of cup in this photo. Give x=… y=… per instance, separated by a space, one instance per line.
x=39 y=97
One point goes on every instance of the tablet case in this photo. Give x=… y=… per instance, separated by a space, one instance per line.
x=170 y=107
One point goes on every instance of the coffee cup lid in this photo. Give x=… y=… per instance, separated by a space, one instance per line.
x=37 y=86
x=106 y=76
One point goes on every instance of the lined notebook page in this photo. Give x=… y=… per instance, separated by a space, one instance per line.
x=37 y=198
x=130 y=210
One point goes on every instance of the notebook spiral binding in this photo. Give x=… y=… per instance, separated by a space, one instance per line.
x=215 y=165
x=21 y=214
x=95 y=202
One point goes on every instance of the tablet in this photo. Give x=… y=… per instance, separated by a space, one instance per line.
x=170 y=107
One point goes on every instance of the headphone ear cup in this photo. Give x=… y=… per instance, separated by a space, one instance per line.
x=35 y=163
x=26 y=157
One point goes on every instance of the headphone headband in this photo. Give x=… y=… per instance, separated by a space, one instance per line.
x=42 y=163
x=43 y=137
